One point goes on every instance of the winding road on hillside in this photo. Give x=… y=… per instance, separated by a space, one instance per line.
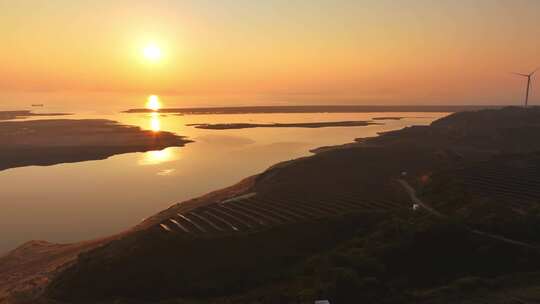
x=412 y=194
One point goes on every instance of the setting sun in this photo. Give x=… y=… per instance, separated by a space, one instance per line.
x=153 y=103
x=152 y=52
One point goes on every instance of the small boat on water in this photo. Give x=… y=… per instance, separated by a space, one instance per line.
x=37 y=105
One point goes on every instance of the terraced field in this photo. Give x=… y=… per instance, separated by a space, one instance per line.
x=512 y=183
x=254 y=212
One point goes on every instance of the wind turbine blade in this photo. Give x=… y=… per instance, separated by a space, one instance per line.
x=519 y=74
x=534 y=72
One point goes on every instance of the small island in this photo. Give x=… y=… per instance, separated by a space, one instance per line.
x=54 y=141
x=229 y=126
x=388 y=118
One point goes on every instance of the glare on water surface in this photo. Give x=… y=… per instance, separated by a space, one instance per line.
x=158 y=157
x=155 y=123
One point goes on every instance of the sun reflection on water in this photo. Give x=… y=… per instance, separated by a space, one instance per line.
x=166 y=172
x=155 y=123
x=159 y=157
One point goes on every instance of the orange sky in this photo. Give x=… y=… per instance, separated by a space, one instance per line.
x=240 y=51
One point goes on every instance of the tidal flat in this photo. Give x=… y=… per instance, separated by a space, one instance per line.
x=54 y=141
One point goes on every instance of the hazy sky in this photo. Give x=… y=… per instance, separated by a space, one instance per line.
x=273 y=51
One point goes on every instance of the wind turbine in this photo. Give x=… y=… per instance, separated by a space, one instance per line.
x=529 y=82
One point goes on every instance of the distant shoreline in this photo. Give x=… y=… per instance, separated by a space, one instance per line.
x=313 y=109
x=310 y=125
x=11 y=115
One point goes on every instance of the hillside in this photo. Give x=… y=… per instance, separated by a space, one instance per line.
x=341 y=225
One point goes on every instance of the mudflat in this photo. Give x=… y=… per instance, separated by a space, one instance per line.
x=48 y=142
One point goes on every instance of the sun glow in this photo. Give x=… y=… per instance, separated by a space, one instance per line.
x=152 y=52
x=153 y=103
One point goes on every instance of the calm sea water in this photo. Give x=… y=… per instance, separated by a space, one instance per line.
x=78 y=201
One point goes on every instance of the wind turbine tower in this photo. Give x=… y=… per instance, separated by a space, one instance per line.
x=529 y=83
